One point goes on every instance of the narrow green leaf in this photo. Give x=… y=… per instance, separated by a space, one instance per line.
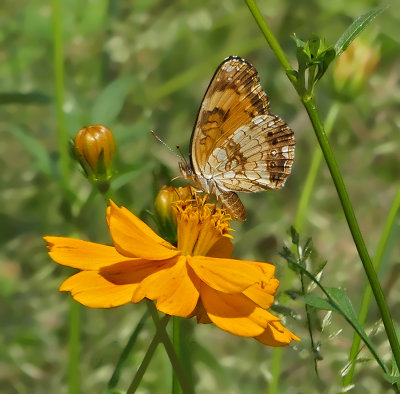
x=339 y=302
x=320 y=303
x=39 y=154
x=355 y=29
x=299 y=43
x=392 y=379
x=110 y=101
x=295 y=235
x=37 y=98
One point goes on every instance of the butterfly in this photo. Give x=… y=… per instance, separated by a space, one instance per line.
x=237 y=145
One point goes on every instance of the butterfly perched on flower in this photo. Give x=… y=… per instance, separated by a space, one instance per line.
x=237 y=145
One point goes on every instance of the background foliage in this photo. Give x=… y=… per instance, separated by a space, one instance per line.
x=142 y=65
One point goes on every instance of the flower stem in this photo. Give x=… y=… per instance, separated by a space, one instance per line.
x=309 y=104
x=62 y=137
x=148 y=356
x=169 y=347
x=316 y=160
x=74 y=346
x=125 y=353
x=58 y=65
x=273 y=43
x=302 y=209
x=366 y=299
x=176 y=339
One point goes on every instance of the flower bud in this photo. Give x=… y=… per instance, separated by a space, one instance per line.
x=163 y=205
x=353 y=68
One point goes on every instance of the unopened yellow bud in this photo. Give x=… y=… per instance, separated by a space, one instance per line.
x=163 y=206
x=354 y=66
x=95 y=144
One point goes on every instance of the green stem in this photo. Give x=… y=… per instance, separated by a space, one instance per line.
x=367 y=296
x=62 y=137
x=273 y=43
x=74 y=346
x=302 y=209
x=309 y=104
x=316 y=160
x=125 y=353
x=148 y=356
x=169 y=347
x=58 y=64
x=176 y=339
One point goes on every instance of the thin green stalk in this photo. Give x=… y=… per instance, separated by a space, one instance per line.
x=148 y=356
x=169 y=347
x=309 y=104
x=125 y=353
x=316 y=160
x=62 y=137
x=74 y=345
x=302 y=209
x=176 y=340
x=367 y=296
x=273 y=43
x=58 y=65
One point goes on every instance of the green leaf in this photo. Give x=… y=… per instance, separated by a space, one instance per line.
x=392 y=379
x=299 y=43
x=110 y=101
x=355 y=29
x=337 y=299
x=37 y=151
x=295 y=235
x=24 y=98
x=320 y=303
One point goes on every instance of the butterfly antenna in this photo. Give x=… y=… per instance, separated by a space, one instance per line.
x=167 y=146
x=178 y=148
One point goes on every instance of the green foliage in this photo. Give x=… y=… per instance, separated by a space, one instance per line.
x=355 y=29
x=145 y=65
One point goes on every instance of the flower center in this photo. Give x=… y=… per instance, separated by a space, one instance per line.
x=200 y=226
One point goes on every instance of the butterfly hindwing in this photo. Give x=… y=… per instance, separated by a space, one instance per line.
x=257 y=156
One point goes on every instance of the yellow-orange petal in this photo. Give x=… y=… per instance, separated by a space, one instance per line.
x=131 y=271
x=263 y=293
x=134 y=238
x=223 y=248
x=174 y=288
x=82 y=254
x=226 y=275
x=276 y=335
x=92 y=290
x=234 y=313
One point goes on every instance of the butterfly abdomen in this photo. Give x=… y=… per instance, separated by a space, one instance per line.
x=231 y=202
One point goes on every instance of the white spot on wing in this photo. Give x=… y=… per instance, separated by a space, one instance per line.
x=220 y=154
x=285 y=152
x=257 y=120
x=227 y=67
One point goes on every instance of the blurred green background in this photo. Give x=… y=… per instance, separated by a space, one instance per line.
x=141 y=65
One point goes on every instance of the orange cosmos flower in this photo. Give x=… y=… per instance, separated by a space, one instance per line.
x=196 y=278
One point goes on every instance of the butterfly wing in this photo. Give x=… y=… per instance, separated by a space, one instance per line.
x=233 y=98
x=257 y=156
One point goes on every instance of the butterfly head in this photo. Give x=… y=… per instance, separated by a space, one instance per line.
x=186 y=170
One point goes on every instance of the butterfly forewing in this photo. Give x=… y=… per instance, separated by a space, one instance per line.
x=233 y=98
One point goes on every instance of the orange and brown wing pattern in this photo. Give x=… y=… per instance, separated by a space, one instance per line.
x=257 y=156
x=233 y=98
